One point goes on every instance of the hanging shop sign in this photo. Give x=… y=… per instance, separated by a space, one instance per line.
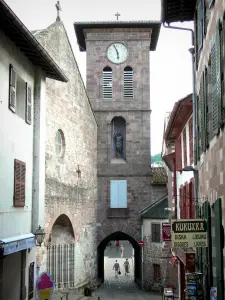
x=189 y=234
x=166 y=232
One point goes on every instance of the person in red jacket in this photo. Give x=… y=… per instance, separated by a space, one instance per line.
x=117 y=245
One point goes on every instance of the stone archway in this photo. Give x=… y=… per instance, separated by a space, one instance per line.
x=118 y=232
x=61 y=252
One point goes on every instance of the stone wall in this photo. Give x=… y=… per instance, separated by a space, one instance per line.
x=136 y=112
x=67 y=194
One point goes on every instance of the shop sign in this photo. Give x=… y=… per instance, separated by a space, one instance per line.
x=166 y=232
x=189 y=234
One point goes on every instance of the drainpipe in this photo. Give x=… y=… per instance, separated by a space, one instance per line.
x=192 y=51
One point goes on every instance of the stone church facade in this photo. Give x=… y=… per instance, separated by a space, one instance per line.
x=118 y=86
x=69 y=250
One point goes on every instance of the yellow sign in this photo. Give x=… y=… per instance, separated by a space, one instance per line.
x=189 y=234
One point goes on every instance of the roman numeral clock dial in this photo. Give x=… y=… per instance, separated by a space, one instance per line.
x=117 y=53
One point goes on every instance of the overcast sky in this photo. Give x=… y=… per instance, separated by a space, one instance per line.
x=170 y=64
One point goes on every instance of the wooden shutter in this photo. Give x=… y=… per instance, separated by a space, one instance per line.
x=185 y=146
x=19 y=183
x=184 y=201
x=107 y=83
x=200 y=24
x=181 y=202
x=178 y=156
x=128 y=83
x=187 y=201
x=202 y=107
x=12 y=88
x=192 y=200
x=191 y=150
x=122 y=193
x=114 y=194
x=216 y=82
x=28 y=104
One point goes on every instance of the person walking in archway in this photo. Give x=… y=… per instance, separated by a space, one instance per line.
x=121 y=251
x=117 y=245
x=126 y=266
x=116 y=267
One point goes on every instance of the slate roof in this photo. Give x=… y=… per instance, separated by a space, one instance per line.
x=177 y=10
x=156 y=210
x=81 y=26
x=14 y=29
x=159 y=175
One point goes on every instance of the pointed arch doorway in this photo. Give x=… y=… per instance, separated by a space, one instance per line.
x=120 y=236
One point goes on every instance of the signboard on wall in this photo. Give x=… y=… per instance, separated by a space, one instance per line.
x=189 y=233
x=166 y=232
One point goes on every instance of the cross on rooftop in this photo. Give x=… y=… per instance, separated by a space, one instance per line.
x=58 y=7
x=117 y=16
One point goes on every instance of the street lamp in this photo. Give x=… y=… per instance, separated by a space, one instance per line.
x=39 y=235
x=195 y=172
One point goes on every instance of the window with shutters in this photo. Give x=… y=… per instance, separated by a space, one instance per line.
x=185 y=147
x=156 y=272
x=156 y=232
x=208 y=89
x=19 y=183
x=128 y=82
x=202 y=114
x=107 y=83
x=178 y=154
x=216 y=81
x=191 y=142
x=20 y=96
x=118 y=194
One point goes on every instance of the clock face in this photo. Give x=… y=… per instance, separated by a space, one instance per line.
x=117 y=53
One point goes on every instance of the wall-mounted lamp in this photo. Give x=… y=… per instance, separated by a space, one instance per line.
x=78 y=172
x=39 y=235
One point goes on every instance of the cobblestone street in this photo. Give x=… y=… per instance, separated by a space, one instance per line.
x=124 y=286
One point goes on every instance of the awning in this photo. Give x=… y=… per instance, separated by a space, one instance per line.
x=17 y=243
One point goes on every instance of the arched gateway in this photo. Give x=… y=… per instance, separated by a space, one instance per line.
x=114 y=232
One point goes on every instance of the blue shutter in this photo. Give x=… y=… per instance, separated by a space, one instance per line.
x=122 y=194
x=114 y=194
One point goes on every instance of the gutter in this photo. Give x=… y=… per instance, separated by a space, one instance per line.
x=192 y=51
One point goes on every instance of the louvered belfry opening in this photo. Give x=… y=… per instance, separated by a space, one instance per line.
x=128 y=82
x=107 y=83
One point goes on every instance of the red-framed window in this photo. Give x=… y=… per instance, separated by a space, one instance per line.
x=185 y=147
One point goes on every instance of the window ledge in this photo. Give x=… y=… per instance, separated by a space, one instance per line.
x=118 y=161
x=118 y=213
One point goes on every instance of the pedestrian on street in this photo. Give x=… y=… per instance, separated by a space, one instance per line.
x=126 y=266
x=117 y=244
x=116 y=267
x=121 y=251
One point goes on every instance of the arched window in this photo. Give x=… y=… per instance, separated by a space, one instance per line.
x=107 y=83
x=128 y=82
x=119 y=138
x=60 y=143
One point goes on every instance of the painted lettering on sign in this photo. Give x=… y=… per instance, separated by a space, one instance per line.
x=189 y=226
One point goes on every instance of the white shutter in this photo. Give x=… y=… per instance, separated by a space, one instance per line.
x=107 y=83
x=128 y=83
x=12 y=89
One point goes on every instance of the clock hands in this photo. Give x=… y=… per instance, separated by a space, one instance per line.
x=116 y=52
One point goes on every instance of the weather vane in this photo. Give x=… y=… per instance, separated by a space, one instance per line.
x=58 y=7
x=117 y=16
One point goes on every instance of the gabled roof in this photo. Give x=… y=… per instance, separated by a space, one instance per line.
x=177 y=10
x=159 y=175
x=156 y=210
x=81 y=26
x=179 y=116
x=14 y=29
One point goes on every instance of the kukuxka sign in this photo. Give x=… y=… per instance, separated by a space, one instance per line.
x=189 y=234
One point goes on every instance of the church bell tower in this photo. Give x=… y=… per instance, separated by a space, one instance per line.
x=118 y=86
